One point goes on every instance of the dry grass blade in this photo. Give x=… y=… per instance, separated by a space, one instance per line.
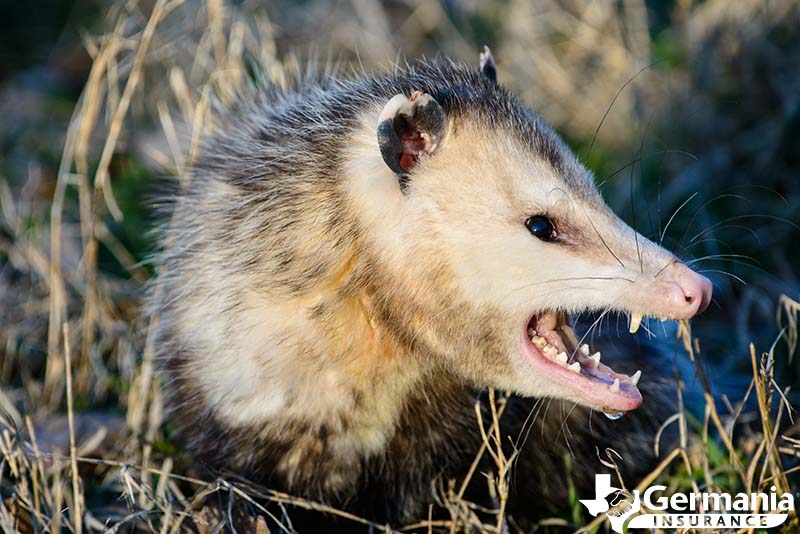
x=77 y=494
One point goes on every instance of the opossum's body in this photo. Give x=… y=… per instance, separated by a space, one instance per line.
x=332 y=295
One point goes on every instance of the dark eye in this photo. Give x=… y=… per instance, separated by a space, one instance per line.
x=542 y=227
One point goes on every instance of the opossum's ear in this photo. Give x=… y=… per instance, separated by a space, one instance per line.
x=487 y=67
x=408 y=127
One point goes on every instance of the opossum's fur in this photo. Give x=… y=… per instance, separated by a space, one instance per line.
x=298 y=353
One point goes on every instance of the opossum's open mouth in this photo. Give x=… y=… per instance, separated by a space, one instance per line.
x=554 y=347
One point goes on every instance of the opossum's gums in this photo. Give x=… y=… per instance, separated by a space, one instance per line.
x=551 y=343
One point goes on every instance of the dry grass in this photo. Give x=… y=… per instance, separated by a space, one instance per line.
x=73 y=343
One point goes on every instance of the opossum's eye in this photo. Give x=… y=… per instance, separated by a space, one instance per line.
x=542 y=227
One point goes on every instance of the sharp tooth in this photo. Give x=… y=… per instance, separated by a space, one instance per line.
x=636 y=320
x=615 y=386
x=594 y=360
x=550 y=351
x=633 y=380
x=561 y=358
x=576 y=367
x=539 y=341
x=585 y=349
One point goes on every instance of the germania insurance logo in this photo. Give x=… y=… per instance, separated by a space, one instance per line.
x=687 y=510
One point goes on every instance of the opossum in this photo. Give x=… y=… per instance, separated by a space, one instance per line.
x=352 y=263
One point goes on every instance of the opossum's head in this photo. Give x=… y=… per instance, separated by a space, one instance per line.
x=491 y=234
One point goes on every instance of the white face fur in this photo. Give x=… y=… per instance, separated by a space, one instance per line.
x=466 y=207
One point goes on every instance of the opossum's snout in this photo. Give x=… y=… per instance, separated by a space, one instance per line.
x=675 y=292
x=689 y=294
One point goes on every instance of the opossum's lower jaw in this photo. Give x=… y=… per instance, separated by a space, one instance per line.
x=557 y=360
x=551 y=348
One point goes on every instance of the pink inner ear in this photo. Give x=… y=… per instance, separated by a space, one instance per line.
x=408 y=161
x=414 y=144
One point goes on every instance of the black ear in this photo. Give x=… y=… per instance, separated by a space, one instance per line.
x=408 y=127
x=487 y=67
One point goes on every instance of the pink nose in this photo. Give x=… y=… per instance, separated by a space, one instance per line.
x=690 y=294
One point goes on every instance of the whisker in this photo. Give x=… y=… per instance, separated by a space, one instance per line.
x=616 y=96
x=717 y=240
x=588 y=332
x=689 y=246
x=645 y=326
x=722 y=256
x=633 y=215
x=564 y=421
x=765 y=188
x=528 y=420
x=756 y=267
x=641 y=178
x=705 y=204
x=533 y=415
x=674 y=213
x=605 y=244
x=574 y=278
x=726 y=273
x=664 y=152
x=661 y=270
x=740 y=217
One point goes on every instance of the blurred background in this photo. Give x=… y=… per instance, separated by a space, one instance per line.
x=687 y=111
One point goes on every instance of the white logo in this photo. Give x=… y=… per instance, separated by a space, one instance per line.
x=687 y=510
